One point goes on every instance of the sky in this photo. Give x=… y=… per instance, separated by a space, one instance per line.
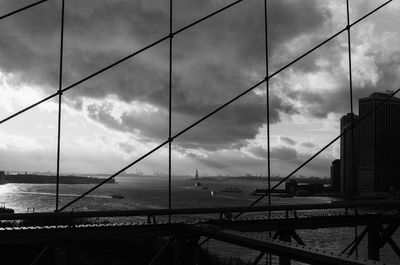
x=112 y=119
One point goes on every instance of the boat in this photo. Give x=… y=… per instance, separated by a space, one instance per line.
x=212 y=192
x=117 y=196
x=197 y=184
x=232 y=189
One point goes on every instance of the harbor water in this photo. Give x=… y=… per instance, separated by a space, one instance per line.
x=149 y=192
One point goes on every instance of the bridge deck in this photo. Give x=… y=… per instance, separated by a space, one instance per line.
x=230 y=231
x=278 y=247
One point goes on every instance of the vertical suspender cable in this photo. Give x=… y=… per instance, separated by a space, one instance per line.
x=268 y=106
x=170 y=109
x=354 y=159
x=268 y=256
x=351 y=100
x=59 y=101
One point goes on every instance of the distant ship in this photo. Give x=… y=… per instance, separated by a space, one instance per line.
x=231 y=189
x=197 y=184
x=117 y=196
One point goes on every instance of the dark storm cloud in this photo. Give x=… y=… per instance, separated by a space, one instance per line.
x=127 y=148
x=228 y=129
x=231 y=161
x=286 y=159
x=389 y=70
x=213 y=62
x=280 y=153
x=308 y=144
x=258 y=151
x=284 y=153
x=288 y=140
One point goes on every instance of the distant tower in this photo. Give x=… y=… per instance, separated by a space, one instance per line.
x=197 y=174
x=348 y=156
x=335 y=175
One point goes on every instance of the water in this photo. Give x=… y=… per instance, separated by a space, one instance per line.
x=152 y=193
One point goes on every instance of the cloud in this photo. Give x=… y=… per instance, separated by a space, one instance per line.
x=228 y=129
x=308 y=144
x=126 y=147
x=284 y=153
x=287 y=140
x=213 y=62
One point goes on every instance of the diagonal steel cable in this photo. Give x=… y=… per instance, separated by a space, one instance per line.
x=164 y=143
x=22 y=9
x=121 y=60
x=302 y=56
x=170 y=109
x=222 y=107
x=114 y=175
x=167 y=37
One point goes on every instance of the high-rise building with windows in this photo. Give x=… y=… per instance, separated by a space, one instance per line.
x=374 y=164
x=379 y=144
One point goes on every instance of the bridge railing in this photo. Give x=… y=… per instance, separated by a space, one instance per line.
x=220 y=212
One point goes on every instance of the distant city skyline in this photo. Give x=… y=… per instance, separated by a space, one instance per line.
x=112 y=120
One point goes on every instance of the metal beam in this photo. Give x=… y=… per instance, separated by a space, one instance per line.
x=184 y=211
x=277 y=247
x=259 y=257
x=313 y=222
x=358 y=241
x=160 y=252
x=41 y=255
x=394 y=246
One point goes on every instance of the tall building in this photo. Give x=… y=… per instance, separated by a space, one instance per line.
x=335 y=175
x=379 y=144
x=348 y=156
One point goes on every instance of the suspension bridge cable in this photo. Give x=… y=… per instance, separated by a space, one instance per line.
x=225 y=105
x=353 y=158
x=22 y=9
x=268 y=107
x=170 y=108
x=59 y=102
x=268 y=256
x=165 y=38
x=120 y=61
